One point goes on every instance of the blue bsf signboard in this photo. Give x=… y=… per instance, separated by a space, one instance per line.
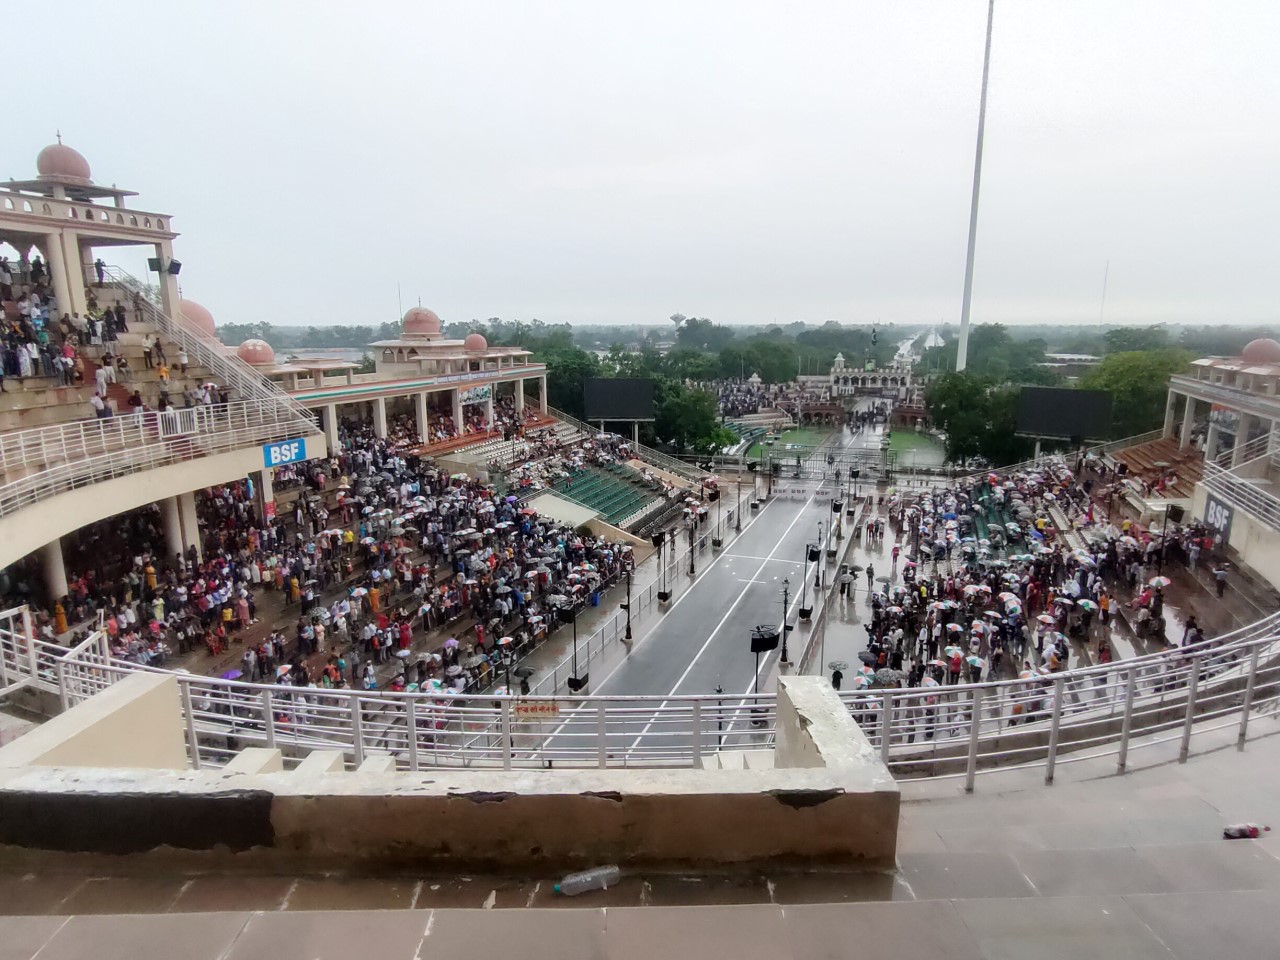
x=286 y=451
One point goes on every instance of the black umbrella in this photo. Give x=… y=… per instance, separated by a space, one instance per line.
x=524 y=672
x=867 y=657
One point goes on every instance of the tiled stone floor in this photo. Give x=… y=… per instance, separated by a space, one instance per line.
x=1093 y=866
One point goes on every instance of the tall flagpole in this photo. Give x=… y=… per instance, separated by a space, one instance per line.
x=962 y=353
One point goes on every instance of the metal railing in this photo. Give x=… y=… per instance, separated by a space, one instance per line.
x=1243 y=494
x=228 y=369
x=934 y=732
x=57 y=459
x=1237 y=398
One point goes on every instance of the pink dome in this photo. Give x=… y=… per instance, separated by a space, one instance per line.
x=1261 y=351
x=59 y=162
x=197 y=318
x=256 y=352
x=421 y=322
x=475 y=343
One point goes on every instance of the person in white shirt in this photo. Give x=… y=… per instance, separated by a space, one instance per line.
x=99 y=407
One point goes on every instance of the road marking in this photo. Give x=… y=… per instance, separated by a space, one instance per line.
x=743 y=556
x=733 y=606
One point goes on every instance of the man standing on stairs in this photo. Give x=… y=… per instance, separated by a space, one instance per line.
x=101 y=269
x=148 y=344
x=182 y=358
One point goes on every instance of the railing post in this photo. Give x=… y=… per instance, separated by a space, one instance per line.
x=886 y=726
x=193 y=741
x=1192 y=690
x=1055 y=724
x=62 y=684
x=697 y=734
x=357 y=728
x=411 y=721
x=269 y=719
x=1126 y=724
x=975 y=737
x=1248 y=697
x=506 y=733
x=602 y=736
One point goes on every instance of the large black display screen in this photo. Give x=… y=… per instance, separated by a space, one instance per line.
x=1061 y=412
x=617 y=398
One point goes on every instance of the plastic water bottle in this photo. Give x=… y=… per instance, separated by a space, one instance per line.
x=597 y=878
x=1243 y=831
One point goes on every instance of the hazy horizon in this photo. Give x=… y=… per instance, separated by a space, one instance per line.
x=747 y=162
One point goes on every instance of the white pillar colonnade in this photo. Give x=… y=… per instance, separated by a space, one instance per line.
x=55 y=571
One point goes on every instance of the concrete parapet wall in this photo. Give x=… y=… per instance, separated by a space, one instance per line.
x=834 y=803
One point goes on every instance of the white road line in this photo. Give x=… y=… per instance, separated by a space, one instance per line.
x=743 y=556
x=680 y=599
x=733 y=606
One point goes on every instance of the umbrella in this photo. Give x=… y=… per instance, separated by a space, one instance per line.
x=474 y=661
x=882 y=579
x=1128 y=542
x=861 y=682
x=1160 y=582
x=954 y=628
x=937 y=663
x=451 y=643
x=867 y=657
x=888 y=675
x=454 y=671
x=841 y=665
x=359 y=592
x=232 y=675
x=952 y=650
x=975 y=661
x=503 y=589
x=993 y=614
x=929 y=682
x=855 y=568
x=1047 y=620
x=1087 y=605
x=524 y=672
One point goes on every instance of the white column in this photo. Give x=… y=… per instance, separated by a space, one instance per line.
x=172 y=513
x=75 y=271
x=380 y=417
x=1242 y=438
x=266 y=490
x=457 y=409
x=57 y=264
x=331 y=429
x=520 y=397
x=168 y=282
x=1211 y=440
x=1170 y=405
x=55 y=572
x=420 y=409
x=190 y=523
x=488 y=410
x=542 y=393
x=1188 y=421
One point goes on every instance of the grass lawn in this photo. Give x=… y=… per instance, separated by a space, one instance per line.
x=807 y=436
x=901 y=441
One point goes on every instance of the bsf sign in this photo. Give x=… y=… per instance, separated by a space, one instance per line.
x=286 y=451
x=1217 y=517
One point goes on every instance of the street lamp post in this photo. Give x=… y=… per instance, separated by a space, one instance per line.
x=693 y=537
x=627 y=635
x=737 y=516
x=817 y=572
x=786 y=596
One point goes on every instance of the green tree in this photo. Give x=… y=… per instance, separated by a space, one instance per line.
x=979 y=418
x=686 y=418
x=568 y=370
x=1131 y=339
x=1138 y=382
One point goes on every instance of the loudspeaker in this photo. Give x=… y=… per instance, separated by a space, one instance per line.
x=776 y=468
x=175 y=267
x=837 y=506
x=153 y=264
x=713 y=496
x=664 y=596
x=577 y=683
x=657 y=539
x=753 y=466
x=1175 y=513
x=764 y=638
x=813 y=554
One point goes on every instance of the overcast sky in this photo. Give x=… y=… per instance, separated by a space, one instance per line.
x=602 y=162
